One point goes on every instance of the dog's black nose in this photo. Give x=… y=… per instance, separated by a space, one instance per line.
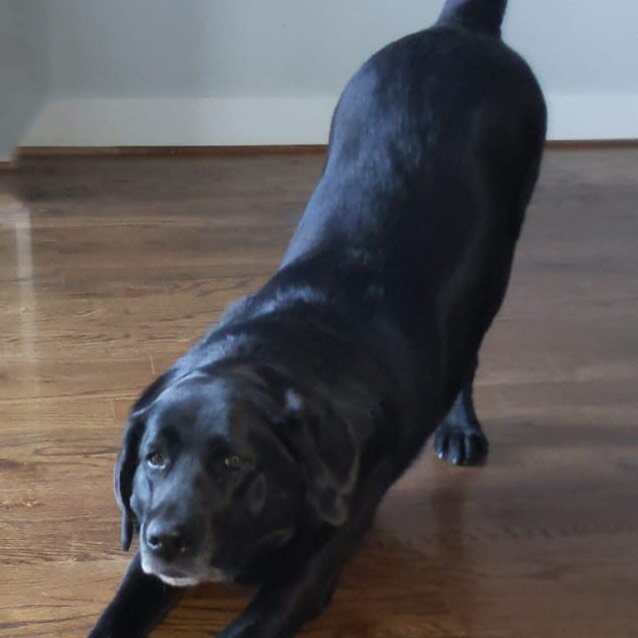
x=167 y=541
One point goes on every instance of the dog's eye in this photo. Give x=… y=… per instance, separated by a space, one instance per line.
x=233 y=462
x=157 y=460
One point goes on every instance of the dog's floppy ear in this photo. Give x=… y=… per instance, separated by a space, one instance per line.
x=125 y=467
x=325 y=447
x=127 y=458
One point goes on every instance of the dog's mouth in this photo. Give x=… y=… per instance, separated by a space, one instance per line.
x=175 y=581
x=177 y=577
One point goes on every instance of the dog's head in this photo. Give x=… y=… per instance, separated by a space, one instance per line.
x=219 y=467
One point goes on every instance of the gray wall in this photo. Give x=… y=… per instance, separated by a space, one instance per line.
x=269 y=71
x=144 y=48
x=24 y=50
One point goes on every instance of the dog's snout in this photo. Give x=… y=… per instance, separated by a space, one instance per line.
x=168 y=540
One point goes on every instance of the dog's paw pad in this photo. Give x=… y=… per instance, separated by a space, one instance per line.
x=461 y=446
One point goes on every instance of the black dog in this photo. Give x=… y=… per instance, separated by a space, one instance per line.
x=261 y=455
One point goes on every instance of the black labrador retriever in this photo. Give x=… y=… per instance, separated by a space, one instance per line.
x=261 y=455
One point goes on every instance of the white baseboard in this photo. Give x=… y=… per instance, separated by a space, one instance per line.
x=275 y=121
x=608 y=116
x=183 y=122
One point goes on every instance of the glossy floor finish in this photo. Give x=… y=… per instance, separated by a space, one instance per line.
x=110 y=268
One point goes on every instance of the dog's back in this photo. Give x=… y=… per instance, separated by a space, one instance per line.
x=417 y=124
x=434 y=152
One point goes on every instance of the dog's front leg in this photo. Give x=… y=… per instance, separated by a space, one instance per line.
x=139 y=604
x=302 y=587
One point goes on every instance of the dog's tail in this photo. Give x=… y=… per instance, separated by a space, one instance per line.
x=484 y=16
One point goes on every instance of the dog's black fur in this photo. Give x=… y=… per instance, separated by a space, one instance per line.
x=261 y=455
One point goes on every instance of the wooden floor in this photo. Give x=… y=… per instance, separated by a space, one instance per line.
x=110 y=268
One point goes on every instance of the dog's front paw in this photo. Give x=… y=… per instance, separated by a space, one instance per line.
x=102 y=631
x=254 y=627
x=240 y=629
x=460 y=446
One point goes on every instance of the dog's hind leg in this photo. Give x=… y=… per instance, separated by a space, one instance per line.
x=459 y=438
